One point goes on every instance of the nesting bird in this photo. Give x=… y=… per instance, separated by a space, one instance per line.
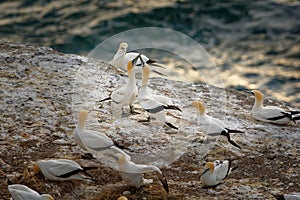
x=213 y=126
x=89 y=139
x=154 y=104
x=122 y=57
x=61 y=170
x=294 y=196
x=22 y=192
x=272 y=114
x=133 y=174
x=215 y=172
x=126 y=95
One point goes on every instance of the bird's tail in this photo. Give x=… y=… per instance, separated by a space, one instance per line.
x=293 y=117
x=295 y=112
x=226 y=133
x=90 y=177
x=159 y=73
x=296 y=118
x=155 y=63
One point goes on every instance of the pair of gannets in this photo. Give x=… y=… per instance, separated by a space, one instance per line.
x=271 y=114
x=215 y=172
x=211 y=125
x=22 y=192
x=61 y=170
x=122 y=57
x=126 y=95
x=133 y=174
x=155 y=105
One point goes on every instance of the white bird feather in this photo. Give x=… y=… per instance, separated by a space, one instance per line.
x=22 y=192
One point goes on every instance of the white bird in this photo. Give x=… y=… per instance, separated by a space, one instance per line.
x=154 y=104
x=271 y=114
x=61 y=170
x=294 y=196
x=22 y=192
x=89 y=139
x=126 y=95
x=215 y=172
x=211 y=125
x=133 y=174
x=122 y=57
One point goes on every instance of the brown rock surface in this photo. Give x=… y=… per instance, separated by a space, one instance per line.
x=42 y=91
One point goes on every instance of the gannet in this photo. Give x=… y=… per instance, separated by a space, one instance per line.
x=154 y=104
x=271 y=114
x=215 y=172
x=133 y=174
x=22 y=192
x=61 y=170
x=294 y=196
x=126 y=95
x=122 y=57
x=88 y=138
x=211 y=125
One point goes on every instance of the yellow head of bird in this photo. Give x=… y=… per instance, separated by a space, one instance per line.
x=210 y=166
x=36 y=168
x=122 y=198
x=199 y=106
x=258 y=95
x=123 y=46
x=121 y=158
x=129 y=66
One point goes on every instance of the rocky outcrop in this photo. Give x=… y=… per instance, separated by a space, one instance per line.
x=42 y=91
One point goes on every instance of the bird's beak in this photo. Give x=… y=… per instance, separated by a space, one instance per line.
x=250 y=92
x=135 y=59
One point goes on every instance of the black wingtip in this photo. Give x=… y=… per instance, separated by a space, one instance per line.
x=105 y=99
x=234 y=131
x=229 y=139
x=165 y=185
x=234 y=144
x=171 y=125
x=172 y=107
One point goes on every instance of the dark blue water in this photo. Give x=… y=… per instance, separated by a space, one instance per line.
x=255 y=44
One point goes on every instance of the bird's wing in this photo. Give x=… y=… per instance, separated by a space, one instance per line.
x=151 y=105
x=163 y=99
x=64 y=168
x=118 y=95
x=223 y=170
x=295 y=196
x=210 y=126
x=272 y=113
x=96 y=141
x=118 y=150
